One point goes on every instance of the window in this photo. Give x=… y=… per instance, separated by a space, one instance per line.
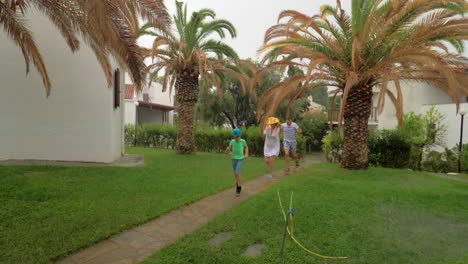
x=116 y=88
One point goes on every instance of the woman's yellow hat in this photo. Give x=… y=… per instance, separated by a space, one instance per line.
x=272 y=120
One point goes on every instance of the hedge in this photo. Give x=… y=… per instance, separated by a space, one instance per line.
x=387 y=148
x=206 y=140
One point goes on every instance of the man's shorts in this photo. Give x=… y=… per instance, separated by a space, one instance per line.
x=290 y=145
x=237 y=165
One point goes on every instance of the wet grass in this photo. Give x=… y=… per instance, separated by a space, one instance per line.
x=379 y=216
x=47 y=212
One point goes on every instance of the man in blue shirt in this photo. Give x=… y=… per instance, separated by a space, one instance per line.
x=289 y=142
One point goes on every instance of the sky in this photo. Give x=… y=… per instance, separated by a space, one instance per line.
x=251 y=18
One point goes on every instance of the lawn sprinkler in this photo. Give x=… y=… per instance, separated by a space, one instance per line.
x=290 y=213
x=289 y=230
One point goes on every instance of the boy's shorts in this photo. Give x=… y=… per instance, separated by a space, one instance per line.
x=237 y=165
x=291 y=145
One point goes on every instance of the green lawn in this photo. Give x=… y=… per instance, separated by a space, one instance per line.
x=378 y=216
x=46 y=212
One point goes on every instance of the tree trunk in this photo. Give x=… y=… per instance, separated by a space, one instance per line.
x=229 y=119
x=186 y=96
x=356 y=117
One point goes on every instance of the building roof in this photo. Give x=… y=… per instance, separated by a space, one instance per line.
x=157 y=106
x=463 y=68
x=129 y=91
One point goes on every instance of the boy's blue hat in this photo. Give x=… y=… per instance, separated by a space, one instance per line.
x=236 y=132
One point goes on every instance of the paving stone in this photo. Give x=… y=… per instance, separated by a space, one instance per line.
x=132 y=238
x=220 y=238
x=254 y=250
x=90 y=253
x=122 y=255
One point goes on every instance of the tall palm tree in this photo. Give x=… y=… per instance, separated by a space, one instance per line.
x=187 y=56
x=382 y=42
x=103 y=24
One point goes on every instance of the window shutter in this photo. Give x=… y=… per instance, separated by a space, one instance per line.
x=116 y=88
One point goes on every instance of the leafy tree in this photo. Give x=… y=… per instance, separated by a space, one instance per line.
x=234 y=105
x=425 y=131
x=381 y=42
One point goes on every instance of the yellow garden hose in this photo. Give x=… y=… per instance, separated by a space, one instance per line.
x=290 y=230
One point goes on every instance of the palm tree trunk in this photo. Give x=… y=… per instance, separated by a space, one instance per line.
x=186 y=95
x=356 y=117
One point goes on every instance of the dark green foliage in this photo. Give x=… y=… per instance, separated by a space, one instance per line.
x=206 y=139
x=463 y=158
x=440 y=161
x=389 y=149
x=314 y=128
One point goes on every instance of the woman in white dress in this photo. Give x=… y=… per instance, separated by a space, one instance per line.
x=271 y=148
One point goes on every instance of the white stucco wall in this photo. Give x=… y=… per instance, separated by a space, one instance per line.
x=76 y=123
x=130 y=112
x=415 y=95
x=146 y=115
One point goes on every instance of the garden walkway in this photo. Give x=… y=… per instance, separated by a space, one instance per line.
x=140 y=242
x=446 y=176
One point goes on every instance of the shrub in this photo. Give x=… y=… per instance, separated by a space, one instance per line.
x=424 y=131
x=314 y=127
x=463 y=157
x=440 y=161
x=206 y=139
x=389 y=149
x=332 y=145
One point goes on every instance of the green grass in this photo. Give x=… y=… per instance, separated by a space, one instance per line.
x=378 y=216
x=46 y=212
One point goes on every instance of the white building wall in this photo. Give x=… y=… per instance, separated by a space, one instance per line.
x=130 y=112
x=146 y=115
x=76 y=123
x=415 y=95
x=153 y=94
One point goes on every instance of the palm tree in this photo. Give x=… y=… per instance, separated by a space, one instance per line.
x=103 y=24
x=382 y=42
x=187 y=56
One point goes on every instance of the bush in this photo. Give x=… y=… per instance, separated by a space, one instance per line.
x=332 y=145
x=463 y=157
x=389 y=149
x=440 y=161
x=314 y=127
x=206 y=140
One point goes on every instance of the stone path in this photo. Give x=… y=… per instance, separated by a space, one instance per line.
x=140 y=242
x=446 y=176
x=127 y=160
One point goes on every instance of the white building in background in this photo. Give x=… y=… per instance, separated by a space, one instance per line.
x=418 y=98
x=80 y=121
x=150 y=105
x=314 y=107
